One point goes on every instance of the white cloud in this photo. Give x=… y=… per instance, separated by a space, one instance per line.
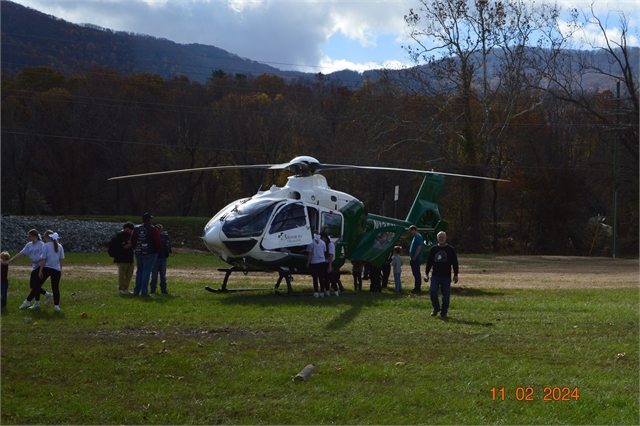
x=239 y=5
x=330 y=65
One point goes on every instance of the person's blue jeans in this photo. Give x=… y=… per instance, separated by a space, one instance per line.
x=144 y=263
x=396 y=280
x=444 y=285
x=415 y=270
x=160 y=266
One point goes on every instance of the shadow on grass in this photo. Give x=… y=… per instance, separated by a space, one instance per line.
x=41 y=314
x=152 y=298
x=356 y=302
x=345 y=318
x=474 y=292
x=468 y=322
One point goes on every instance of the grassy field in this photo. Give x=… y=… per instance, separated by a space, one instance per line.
x=194 y=357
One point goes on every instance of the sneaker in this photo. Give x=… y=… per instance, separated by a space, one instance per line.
x=165 y=292
x=121 y=292
x=322 y=294
x=328 y=293
x=434 y=313
x=25 y=304
x=47 y=298
x=126 y=292
x=36 y=305
x=444 y=316
x=314 y=295
x=56 y=308
x=336 y=293
x=152 y=291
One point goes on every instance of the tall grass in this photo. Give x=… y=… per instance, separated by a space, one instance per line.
x=202 y=358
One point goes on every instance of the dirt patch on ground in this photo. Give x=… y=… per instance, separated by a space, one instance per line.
x=553 y=272
x=549 y=272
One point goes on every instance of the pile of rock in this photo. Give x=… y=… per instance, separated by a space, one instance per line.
x=75 y=235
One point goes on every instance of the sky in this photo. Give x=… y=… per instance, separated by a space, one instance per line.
x=304 y=35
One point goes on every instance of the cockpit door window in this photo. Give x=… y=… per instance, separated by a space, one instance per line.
x=332 y=224
x=289 y=217
x=289 y=229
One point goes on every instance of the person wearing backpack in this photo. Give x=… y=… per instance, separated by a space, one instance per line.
x=161 y=263
x=145 y=240
x=122 y=252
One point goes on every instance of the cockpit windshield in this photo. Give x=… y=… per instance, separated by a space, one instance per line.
x=249 y=219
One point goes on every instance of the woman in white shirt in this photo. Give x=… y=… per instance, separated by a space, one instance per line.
x=51 y=266
x=315 y=263
x=33 y=249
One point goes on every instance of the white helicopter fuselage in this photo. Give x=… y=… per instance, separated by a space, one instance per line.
x=267 y=230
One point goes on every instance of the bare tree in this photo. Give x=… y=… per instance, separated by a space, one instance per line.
x=609 y=70
x=586 y=72
x=480 y=59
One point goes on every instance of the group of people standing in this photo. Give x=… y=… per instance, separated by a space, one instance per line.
x=320 y=256
x=46 y=262
x=151 y=247
x=149 y=244
x=379 y=277
x=442 y=259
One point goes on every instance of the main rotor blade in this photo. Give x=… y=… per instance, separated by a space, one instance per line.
x=297 y=167
x=255 y=166
x=394 y=169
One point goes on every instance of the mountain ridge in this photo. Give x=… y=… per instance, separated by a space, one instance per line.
x=31 y=38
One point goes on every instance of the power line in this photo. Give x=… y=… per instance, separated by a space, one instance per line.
x=340 y=158
x=233 y=112
x=231 y=57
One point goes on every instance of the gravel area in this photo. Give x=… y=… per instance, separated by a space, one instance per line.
x=75 y=235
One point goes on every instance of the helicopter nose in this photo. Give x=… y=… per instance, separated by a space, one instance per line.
x=211 y=237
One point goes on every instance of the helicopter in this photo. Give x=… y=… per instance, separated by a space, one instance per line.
x=271 y=230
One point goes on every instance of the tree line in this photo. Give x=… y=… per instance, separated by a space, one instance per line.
x=553 y=138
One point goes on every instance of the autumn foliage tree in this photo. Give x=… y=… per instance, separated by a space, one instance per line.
x=64 y=136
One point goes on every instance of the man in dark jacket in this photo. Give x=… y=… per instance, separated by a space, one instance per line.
x=123 y=257
x=442 y=258
x=145 y=240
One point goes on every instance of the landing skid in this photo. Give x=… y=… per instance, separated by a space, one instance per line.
x=282 y=274
x=230 y=290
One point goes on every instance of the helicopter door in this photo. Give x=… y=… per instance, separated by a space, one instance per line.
x=313 y=218
x=332 y=224
x=289 y=228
